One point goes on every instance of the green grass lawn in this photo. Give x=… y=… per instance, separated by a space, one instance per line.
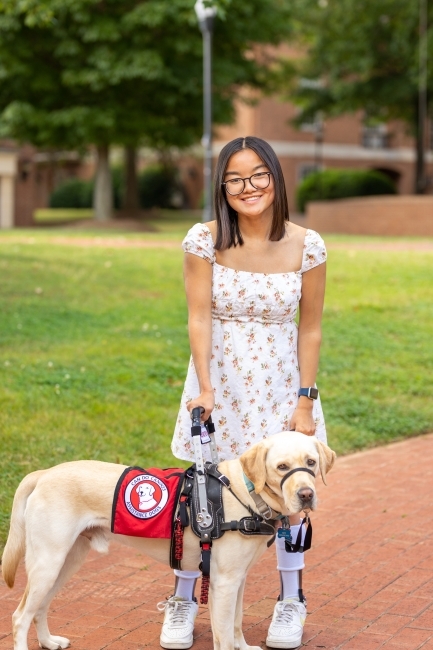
x=55 y=215
x=94 y=349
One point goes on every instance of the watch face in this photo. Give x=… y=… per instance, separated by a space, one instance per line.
x=314 y=393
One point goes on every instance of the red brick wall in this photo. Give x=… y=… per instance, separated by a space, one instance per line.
x=388 y=215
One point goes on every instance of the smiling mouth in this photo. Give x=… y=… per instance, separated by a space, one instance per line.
x=251 y=198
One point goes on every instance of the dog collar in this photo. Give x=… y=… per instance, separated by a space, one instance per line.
x=249 y=484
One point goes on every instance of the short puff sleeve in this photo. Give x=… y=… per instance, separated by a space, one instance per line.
x=198 y=241
x=314 y=251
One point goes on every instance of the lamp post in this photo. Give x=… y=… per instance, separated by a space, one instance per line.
x=421 y=180
x=206 y=15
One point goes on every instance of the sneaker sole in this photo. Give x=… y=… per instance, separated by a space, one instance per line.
x=283 y=644
x=176 y=645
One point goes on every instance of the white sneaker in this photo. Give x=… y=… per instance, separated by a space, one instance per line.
x=287 y=625
x=178 y=627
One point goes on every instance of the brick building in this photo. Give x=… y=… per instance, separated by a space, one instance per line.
x=343 y=142
x=27 y=176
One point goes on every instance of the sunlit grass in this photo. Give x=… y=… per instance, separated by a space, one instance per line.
x=53 y=215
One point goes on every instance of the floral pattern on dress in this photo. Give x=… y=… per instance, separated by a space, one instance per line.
x=254 y=365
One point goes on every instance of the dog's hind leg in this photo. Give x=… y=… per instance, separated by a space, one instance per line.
x=41 y=577
x=73 y=561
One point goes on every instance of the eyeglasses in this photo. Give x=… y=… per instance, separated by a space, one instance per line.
x=259 y=181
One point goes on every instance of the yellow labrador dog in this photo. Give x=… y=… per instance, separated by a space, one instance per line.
x=60 y=513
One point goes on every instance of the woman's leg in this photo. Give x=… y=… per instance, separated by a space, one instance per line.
x=286 y=628
x=180 y=612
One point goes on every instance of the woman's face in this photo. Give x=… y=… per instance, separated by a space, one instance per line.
x=251 y=202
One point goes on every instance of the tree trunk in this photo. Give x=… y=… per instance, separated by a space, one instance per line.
x=420 y=184
x=131 y=202
x=103 y=192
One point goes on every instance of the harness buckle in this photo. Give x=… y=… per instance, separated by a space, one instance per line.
x=251 y=525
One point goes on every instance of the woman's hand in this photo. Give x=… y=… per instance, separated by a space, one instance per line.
x=206 y=400
x=303 y=421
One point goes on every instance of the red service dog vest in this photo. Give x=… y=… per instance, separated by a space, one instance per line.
x=145 y=501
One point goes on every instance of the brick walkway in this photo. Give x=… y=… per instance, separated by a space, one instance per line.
x=369 y=580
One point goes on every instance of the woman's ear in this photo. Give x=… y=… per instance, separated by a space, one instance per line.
x=253 y=464
x=326 y=458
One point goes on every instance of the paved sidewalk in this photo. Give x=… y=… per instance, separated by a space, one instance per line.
x=369 y=580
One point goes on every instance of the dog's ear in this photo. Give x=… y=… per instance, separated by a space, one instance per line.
x=326 y=458
x=253 y=464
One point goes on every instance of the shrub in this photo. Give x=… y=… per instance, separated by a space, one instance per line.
x=340 y=184
x=158 y=186
x=77 y=193
x=74 y=193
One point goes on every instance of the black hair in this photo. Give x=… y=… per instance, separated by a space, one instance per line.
x=228 y=233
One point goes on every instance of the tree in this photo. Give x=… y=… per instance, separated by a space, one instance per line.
x=365 y=53
x=79 y=72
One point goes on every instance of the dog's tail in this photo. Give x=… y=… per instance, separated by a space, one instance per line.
x=16 y=542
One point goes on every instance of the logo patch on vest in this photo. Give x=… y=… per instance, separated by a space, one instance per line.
x=145 y=496
x=145 y=500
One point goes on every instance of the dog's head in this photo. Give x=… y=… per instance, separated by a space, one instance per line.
x=145 y=491
x=267 y=462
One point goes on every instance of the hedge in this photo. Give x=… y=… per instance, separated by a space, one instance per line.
x=157 y=187
x=341 y=184
x=74 y=193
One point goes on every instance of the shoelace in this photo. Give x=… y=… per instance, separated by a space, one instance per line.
x=177 y=610
x=285 y=611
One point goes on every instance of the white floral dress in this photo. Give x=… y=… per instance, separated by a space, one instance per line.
x=254 y=366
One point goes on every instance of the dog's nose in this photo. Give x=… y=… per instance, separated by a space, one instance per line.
x=305 y=494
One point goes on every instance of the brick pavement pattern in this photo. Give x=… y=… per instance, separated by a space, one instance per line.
x=369 y=576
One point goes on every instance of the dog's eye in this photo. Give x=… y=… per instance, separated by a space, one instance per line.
x=311 y=462
x=283 y=467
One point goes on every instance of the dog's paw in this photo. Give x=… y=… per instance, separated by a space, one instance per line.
x=55 y=643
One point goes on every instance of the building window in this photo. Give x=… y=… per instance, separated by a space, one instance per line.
x=375 y=137
x=309 y=125
x=305 y=169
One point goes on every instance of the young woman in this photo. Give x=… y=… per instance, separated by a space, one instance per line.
x=246 y=274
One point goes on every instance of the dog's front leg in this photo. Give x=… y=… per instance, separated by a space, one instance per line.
x=222 y=608
x=240 y=643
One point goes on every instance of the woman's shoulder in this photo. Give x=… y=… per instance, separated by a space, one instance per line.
x=199 y=241
x=314 y=252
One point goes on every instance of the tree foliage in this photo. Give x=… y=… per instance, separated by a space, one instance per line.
x=75 y=72
x=366 y=52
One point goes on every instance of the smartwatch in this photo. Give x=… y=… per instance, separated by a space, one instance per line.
x=311 y=392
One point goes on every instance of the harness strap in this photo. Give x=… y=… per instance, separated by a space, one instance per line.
x=205 y=569
x=298 y=547
x=264 y=509
x=250 y=526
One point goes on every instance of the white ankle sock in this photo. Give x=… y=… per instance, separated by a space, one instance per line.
x=289 y=565
x=185 y=583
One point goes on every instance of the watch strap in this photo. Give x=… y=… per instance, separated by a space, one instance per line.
x=311 y=392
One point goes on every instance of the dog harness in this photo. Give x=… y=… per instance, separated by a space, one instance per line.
x=160 y=503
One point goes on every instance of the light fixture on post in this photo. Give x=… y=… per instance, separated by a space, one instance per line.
x=206 y=14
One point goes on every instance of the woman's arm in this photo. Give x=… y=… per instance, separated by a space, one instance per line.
x=309 y=339
x=198 y=288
